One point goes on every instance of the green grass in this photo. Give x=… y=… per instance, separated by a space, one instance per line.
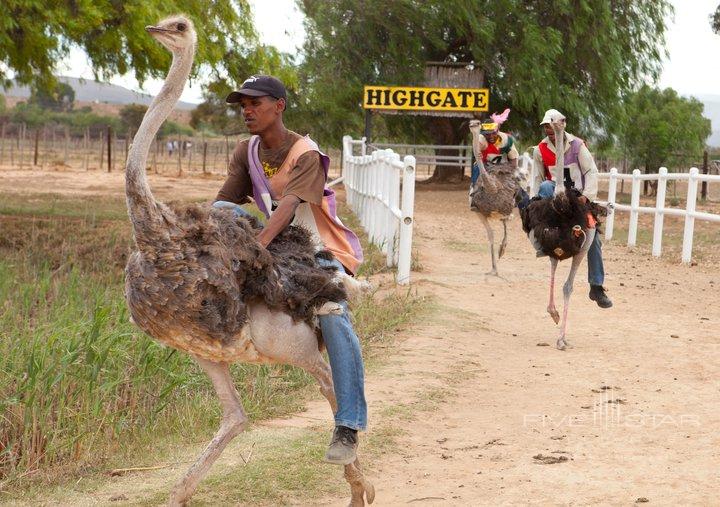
x=82 y=390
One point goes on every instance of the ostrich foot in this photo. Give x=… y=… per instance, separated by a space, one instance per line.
x=554 y=314
x=492 y=272
x=330 y=308
x=361 y=492
x=360 y=488
x=563 y=344
x=368 y=490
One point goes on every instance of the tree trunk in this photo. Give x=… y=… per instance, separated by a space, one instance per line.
x=446 y=131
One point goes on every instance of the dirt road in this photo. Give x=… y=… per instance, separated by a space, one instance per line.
x=629 y=414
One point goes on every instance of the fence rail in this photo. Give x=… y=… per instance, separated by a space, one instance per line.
x=693 y=177
x=381 y=191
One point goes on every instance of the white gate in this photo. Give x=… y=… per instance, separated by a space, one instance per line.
x=690 y=214
x=381 y=191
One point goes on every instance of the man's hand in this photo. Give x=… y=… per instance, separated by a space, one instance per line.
x=280 y=219
x=583 y=199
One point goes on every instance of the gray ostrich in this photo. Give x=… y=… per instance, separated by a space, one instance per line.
x=559 y=227
x=200 y=282
x=493 y=195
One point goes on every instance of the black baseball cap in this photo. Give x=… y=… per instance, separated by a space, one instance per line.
x=259 y=86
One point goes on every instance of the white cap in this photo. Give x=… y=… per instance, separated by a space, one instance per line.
x=550 y=115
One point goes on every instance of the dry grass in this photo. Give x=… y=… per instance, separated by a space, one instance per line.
x=81 y=389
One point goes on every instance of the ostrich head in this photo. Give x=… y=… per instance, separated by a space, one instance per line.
x=474 y=126
x=554 y=123
x=176 y=33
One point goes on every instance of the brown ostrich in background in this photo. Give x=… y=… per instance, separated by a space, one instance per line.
x=200 y=282
x=493 y=195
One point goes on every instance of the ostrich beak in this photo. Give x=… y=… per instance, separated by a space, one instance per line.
x=156 y=29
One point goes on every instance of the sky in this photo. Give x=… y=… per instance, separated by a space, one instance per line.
x=692 y=67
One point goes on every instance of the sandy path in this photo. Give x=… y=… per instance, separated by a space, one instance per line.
x=653 y=434
x=471 y=398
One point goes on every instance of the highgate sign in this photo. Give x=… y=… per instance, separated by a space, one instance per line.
x=405 y=98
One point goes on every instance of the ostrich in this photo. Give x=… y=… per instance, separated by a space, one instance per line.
x=200 y=282
x=493 y=195
x=562 y=227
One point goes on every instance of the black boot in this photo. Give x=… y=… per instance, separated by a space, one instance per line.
x=597 y=294
x=342 y=446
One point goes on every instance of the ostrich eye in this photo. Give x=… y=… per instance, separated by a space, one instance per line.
x=181 y=27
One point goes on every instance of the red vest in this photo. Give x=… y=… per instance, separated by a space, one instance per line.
x=490 y=150
x=548 y=158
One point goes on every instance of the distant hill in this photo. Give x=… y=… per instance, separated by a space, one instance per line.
x=87 y=90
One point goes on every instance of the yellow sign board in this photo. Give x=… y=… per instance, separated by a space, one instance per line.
x=406 y=98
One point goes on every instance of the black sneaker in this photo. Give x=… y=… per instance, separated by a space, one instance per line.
x=341 y=450
x=597 y=294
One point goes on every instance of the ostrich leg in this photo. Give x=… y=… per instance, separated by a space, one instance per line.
x=491 y=240
x=503 y=244
x=359 y=486
x=562 y=342
x=233 y=423
x=551 y=304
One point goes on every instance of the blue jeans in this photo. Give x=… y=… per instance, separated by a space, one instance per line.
x=596 y=269
x=343 y=348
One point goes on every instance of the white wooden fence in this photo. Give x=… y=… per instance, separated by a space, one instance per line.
x=690 y=214
x=381 y=191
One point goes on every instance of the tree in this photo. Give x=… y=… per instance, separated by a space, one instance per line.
x=215 y=115
x=663 y=128
x=715 y=20
x=60 y=97
x=131 y=116
x=37 y=35
x=578 y=56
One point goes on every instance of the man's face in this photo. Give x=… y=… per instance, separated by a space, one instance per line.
x=260 y=113
x=491 y=137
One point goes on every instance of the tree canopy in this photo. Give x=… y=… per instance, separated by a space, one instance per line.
x=663 y=128
x=60 y=97
x=578 y=56
x=35 y=35
x=715 y=20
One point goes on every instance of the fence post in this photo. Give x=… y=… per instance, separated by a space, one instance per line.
x=659 y=212
x=37 y=143
x=109 y=148
x=612 y=190
x=363 y=147
x=703 y=191
x=406 y=222
x=204 y=157
x=690 y=216
x=634 y=204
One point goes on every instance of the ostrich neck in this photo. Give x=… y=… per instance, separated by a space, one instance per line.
x=559 y=160
x=478 y=155
x=141 y=204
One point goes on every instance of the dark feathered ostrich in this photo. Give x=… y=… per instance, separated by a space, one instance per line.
x=561 y=228
x=200 y=282
x=493 y=195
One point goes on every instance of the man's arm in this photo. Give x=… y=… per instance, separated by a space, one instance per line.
x=279 y=220
x=237 y=186
x=538 y=172
x=588 y=167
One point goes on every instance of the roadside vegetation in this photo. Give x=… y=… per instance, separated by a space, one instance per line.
x=82 y=390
